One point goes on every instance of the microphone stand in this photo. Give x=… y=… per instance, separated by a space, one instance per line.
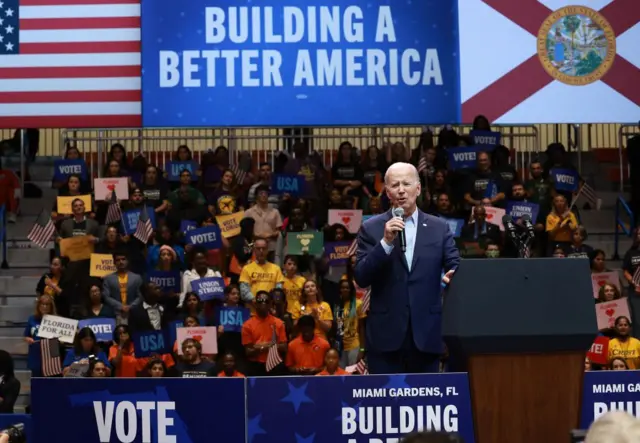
x=522 y=242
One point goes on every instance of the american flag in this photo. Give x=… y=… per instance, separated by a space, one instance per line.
x=114 y=214
x=422 y=164
x=362 y=368
x=144 y=228
x=353 y=249
x=589 y=194
x=43 y=229
x=366 y=300
x=239 y=174
x=50 y=354
x=636 y=277
x=70 y=63
x=273 y=356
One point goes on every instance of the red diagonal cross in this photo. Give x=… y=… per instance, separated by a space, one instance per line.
x=529 y=77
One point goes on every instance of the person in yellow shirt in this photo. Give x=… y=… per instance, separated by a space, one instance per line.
x=311 y=304
x=350 y=325
x=625 y=346
x=259 y=275
x=293 y=282
x=561 y=221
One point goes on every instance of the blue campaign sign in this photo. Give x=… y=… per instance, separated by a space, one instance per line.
x=187 y=225
x=337 y=252
x=63 y=168
x=465 y=157
x=565 y=179
x=102 y=327
x=130 y=219
x=606 y=391
x=207 y=237
x=517 y=209
x=357 y=408
x=175 y=168
x=309 y=63
x=9 y=420
x=169 y=281
x=485 y=138
x=138 y=410
x=172 y=333
x=288 y=184
x=455 y=225
x=209 y=288
x=149 y=343
x=232 y=318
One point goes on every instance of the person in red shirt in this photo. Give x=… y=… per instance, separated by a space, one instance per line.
x=9 y=191
x=258 y=334
x=229 y=366
x=331 y=366
x=306 y=353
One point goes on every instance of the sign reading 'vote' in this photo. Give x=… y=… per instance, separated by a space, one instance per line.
x=465 y=157
x=565 y=179
x=207 y=237
x=64 y=168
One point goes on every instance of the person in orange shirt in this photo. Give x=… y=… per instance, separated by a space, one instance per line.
x=155 y=368
x=229 y=366
x=306 y=353
x=258 y=334
x=331 y=366
x=123 y=358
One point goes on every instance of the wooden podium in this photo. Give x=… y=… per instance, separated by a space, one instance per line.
x=521 y=328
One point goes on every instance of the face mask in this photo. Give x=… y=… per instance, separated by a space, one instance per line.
x=493 y=254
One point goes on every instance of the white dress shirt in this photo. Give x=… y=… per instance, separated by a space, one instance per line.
x=155 y=314
x=191 y=275
x=410 y=230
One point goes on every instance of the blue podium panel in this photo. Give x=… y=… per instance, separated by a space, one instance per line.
x=356 y=409
x=139 y=410
x=299 y=62
x=606 y=391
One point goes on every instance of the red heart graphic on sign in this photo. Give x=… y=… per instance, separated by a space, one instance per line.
x=111 y=187
x=489 y=216
x=610 y=312
x=601 y=282
x=346 y=220
x=197 y=338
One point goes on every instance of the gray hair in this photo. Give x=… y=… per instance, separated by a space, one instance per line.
x=401 y=165
x=614 y=427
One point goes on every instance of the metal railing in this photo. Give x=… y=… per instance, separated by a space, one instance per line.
x=624 y=226
x=625 y=132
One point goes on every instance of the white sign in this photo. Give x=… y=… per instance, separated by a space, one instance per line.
x=77 y=370
x=64 y=329
x=207 y=336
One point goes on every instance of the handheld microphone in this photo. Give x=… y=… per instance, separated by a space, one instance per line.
x=399 y=213
x=509 y=227
x=526 y=219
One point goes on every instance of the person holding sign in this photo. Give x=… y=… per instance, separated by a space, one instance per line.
x=79 y=224
x=61 y=206
x=401 y=258
x=71 y=155
x=84 y=347
x=560 y=222
x=624 y=345
x=200 y=270
x=192 y=364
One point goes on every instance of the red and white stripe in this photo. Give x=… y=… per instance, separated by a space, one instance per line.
x=50 y=354
x=635 y=279
x=79 y=65
x=273 y=356
x=366 y=300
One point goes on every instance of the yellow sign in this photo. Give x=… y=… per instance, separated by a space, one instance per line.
x=576 y=45
x=64 y=204
x=230 y=224
x=76 y=248
x=101 y=265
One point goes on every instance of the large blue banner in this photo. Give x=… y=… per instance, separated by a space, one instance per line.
x=299 y=62
x=606 y=391
x=354 y=409
x=138 y=410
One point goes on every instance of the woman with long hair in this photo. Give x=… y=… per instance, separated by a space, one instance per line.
x=94 y=306
x=350 y=321
x=225 y=198
x=311 y=303
x=623 y=345
x=85 y=346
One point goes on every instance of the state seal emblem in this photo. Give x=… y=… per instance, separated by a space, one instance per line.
x=576 y=45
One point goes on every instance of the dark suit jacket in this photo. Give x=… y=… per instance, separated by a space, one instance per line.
x=399 y=295
x=111 y=291
x=139 y=318
x=492 y=233
x=9 y=392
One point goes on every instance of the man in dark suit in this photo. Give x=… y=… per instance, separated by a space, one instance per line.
x=404 y=333
x=151 y=314
x=121 y=290
x=480 y=230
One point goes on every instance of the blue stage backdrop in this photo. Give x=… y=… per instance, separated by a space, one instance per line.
x=606 y=391
x=138 y=410
x=299 y=62
x=355 y=409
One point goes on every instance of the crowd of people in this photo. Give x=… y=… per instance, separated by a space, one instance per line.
x=305 y=306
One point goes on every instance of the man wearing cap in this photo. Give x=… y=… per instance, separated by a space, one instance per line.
x=258 y=335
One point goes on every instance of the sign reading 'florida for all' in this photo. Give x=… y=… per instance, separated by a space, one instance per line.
x=293 y=62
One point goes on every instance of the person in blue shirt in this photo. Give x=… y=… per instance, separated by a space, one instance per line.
x=44 y=306
x=84 y=346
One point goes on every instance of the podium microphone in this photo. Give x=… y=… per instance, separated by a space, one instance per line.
x=399 y=213
x=509 y=227
x=526 y=219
